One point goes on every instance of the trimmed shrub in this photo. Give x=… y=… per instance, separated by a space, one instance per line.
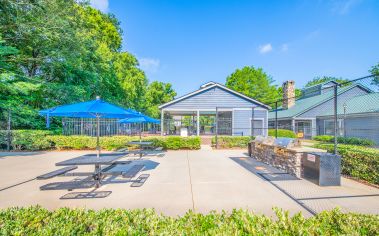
x=33 y=140
x=27 y=139
x=285 y=133
x=232 y=141
x=324 y=138
x=65 y=221
x=175 y=142
x=358 y=162
x=117 y=142
x=345 y=140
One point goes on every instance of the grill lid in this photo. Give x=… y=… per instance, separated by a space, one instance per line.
x=286 y=142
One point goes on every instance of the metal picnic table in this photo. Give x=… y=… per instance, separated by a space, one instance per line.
x=142 y=145
x=109 y=159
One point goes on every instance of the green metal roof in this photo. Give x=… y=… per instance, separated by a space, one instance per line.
x=359 y=104
x=304 y=104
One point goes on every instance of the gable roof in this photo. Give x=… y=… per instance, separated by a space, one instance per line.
x=305 y=104
x=354 y=105
x=210 y=85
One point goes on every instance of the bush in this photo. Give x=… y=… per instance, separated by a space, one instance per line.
x=117 y=142
x=27 y=139
x=232 y=141
x=282 y=133
x=345 y=140
x=65 y=221
x=175 y=142
x=324 y=138
x=33 y=140
x=358 y=162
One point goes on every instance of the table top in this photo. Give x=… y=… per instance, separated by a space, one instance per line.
x=92 y=159
x=140 y=143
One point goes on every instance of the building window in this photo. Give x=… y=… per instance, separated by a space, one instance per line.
x=329 y=127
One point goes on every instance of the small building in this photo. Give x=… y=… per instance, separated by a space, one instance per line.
x=313 y=113
x=214 y=107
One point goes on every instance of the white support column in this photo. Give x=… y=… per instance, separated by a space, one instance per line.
x=293 y=126
x=162 y=122
x=313 y=127
x=198 y=122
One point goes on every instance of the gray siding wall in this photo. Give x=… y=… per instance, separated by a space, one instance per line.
x=363 y=127
x=242 y=122
x=359 y=127
x=210 y=99
x=327 y=106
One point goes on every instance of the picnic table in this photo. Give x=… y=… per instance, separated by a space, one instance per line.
x=110 y=160
x=142 y=145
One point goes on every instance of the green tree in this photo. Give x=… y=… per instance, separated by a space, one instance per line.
x=158 y=93
x=59 y=52
x=254 y=83
x=375 y=70
x=323 y=79
x=132 y=80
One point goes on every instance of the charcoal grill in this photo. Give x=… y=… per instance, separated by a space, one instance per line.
x=286 y=143
x=281 y=144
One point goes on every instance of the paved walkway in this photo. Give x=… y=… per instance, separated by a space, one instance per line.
x=201 y=180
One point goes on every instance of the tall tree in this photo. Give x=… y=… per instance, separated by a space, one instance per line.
x=254 y=83
x=158 y=93
x=67 y=52
x=323 y=79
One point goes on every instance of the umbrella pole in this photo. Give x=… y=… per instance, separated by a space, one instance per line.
x=140 y=133
x=98 y=136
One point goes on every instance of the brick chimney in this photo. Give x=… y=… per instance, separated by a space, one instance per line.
x=288 y=94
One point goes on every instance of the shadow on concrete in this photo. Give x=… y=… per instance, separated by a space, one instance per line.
x=86 y=195
x=10 y=154
x=263 y=170
x=331 y=197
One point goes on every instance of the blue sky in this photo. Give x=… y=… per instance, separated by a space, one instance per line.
x=188 y=43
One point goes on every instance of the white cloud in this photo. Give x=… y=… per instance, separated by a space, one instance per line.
x=284 y=47
x=344 y=6
x=313 y=34
x=102 y=5
x=263 y=49
x=149 y=64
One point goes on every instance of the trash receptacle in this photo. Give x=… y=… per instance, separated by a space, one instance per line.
x=322 y=168
x=249 y=148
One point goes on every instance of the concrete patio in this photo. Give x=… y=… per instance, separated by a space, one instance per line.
x=201 y=180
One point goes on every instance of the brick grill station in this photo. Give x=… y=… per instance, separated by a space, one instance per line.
x=285 y=155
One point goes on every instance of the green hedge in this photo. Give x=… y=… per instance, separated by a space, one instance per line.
x=345 y=140
x=117 y=142
x=65 y=221
x=358 y=162
x=282 y=133
x=232 y=141
x=43 y=140
x=27 y=139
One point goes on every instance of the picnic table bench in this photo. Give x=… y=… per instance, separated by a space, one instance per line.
x=57 y=172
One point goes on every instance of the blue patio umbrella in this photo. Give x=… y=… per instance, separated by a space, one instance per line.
x=91 y=109
x=141 y=119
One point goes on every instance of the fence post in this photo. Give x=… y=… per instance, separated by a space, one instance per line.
x=216 y=127
x=335 y=120
x=9 y=131
x=276 y=119
x=252 y=121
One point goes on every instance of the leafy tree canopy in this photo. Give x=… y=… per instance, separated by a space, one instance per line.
x=254 y=83
x=158 y=93
x=323 y=79
x=64 y=51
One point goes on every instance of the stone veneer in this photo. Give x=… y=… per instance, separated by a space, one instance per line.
x=287 y=159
